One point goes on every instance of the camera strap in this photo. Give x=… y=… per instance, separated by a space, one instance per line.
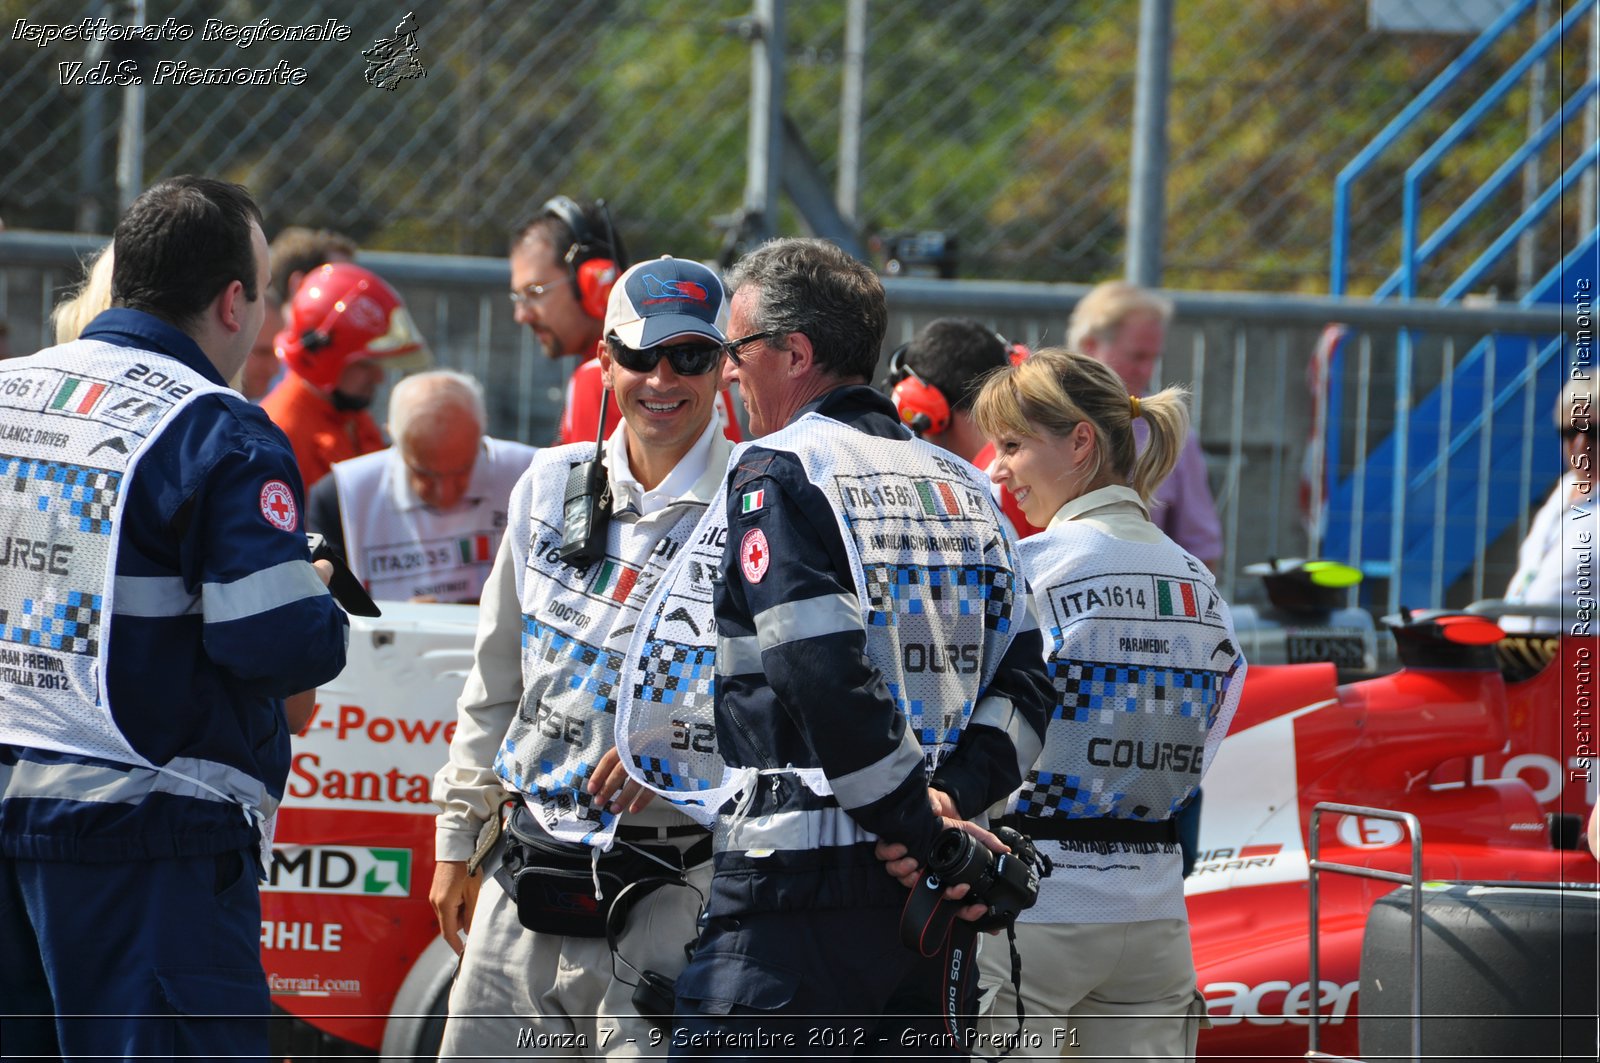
x=959 y=969
x=929 y=925
x=926 y=920
x=1016 y=987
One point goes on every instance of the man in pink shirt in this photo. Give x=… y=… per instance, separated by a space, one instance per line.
x=1125 y=327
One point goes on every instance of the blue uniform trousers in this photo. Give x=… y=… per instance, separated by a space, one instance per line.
x=809 y=983
x=154 y=958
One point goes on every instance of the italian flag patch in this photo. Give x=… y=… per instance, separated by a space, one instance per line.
x=752 y=502
x=1175 y=598
x=938 y=500
x=614 y=581
x=76 y=395
x=474 y=550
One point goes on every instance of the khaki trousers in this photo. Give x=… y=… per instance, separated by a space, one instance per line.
x=1123 y=991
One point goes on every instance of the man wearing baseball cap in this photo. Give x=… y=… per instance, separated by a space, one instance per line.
x=636 y=315
x=533 y=796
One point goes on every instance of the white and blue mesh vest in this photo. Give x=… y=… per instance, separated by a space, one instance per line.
x=76 y=420
x=939 y=592
x=576 y=624
x=404 y=553
x=1140 y=652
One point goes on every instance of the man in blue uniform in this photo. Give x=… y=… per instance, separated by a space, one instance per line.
x=877 y=669
x=157 y=604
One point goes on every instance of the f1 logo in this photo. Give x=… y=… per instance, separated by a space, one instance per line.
x=132 y=409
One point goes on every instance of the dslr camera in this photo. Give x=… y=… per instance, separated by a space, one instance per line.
x=1007 y=882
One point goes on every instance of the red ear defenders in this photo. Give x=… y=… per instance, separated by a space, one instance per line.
x=592 y=274
x=923 y=406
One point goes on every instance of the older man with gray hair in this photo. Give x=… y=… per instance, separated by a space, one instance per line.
x=422 y=520
x=1124 y=327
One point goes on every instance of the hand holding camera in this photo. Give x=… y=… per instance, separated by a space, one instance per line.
x=972 y=874
x=1002 y=882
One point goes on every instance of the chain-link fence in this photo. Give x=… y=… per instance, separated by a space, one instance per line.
x=1004 y=124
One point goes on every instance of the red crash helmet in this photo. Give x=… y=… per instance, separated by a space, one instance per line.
x=343 y=314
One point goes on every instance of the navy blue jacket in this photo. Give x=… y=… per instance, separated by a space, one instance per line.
x=818 y=702
x=226 y=626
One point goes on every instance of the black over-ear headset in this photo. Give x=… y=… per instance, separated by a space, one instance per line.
x=923 y=407
x=594 y=261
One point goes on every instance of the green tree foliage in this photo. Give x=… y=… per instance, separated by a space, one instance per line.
x=1005 y=123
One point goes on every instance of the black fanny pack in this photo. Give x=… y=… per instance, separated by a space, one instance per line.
x=553 y=882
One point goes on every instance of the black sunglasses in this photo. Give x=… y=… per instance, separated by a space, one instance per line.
x=686 y=359
x=732 y=346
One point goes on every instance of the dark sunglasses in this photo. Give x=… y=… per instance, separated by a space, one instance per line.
x=686 y=359
x=732 y=346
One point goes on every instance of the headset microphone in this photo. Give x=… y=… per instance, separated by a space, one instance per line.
x=1016 y=353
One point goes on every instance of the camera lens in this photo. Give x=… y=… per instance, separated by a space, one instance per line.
x=957 y=857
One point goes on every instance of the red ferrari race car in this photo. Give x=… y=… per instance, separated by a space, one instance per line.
x=1496 y=770
x=1496 y=774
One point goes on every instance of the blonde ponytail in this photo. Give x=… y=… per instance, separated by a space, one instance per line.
x=1167 y=414
x=1056 y=389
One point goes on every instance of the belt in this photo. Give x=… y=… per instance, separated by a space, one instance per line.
x=1100 y=829
x=629 y=833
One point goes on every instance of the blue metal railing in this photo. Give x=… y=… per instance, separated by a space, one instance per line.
x=1421 y=559
x=1339 y=266
x=1503 y=243
x=1497 y=182
x=1411 y=206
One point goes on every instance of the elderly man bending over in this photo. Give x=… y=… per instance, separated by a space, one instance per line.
x=422 y=520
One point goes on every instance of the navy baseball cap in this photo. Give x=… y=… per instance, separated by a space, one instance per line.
x=666 y=299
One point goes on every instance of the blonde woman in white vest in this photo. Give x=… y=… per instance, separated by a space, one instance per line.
x=1142 y=655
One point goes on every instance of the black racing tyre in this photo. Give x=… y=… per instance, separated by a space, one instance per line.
x=1508 y=971
x=417 y=1017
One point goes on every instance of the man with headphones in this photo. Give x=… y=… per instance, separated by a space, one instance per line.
x=564 y=262
x=933 y=380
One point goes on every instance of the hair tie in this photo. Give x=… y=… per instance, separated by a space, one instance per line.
x=1133 y=405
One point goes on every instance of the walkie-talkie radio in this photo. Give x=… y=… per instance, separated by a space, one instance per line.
x=586 y=503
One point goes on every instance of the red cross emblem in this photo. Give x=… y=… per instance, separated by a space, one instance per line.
x=277 y=505
x=754 y=557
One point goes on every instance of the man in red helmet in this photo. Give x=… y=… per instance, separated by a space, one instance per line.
x=345 y=328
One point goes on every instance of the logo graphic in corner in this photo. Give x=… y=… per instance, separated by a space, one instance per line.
x=754 y=557
x=277 y=505
x=392 y=60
